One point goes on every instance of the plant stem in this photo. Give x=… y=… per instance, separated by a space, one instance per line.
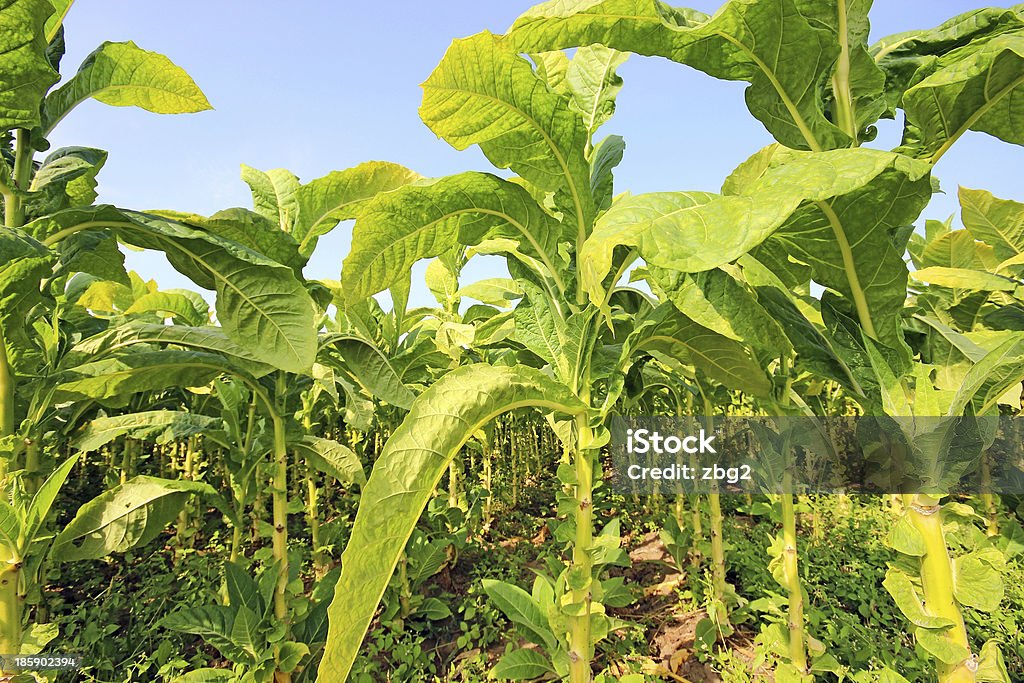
x=14 y=210
x=582 y=562
x=10 y=602
x=791 y=571
x=937 y=582
x=279 y=486
x=6 y=392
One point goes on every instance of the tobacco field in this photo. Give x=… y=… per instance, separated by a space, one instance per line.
x=275 y=479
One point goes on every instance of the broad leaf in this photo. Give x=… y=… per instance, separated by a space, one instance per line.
x=522 y=665
x=126 y=516
x=126 y=373
x=484 y=93
x=162 y=424
x=273 y=194
x=332 y=458
x=998 y=223
x=188 y=308
x=593 y=83
x=42 y=501
x=971 y=89
x=125 y=75
x=405 y=475
x=260 y=303
x=322 y=203
x=397 y=229
x=368 y=368
x=770 y=44
x=25 y=73
x=521 y=610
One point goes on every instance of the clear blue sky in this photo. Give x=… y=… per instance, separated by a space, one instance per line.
x=315 y=86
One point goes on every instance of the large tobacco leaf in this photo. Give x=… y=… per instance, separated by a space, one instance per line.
x=414 y=459
x=774 y=45
x=125 y=75
x=260 y=303
x=397 y=229
x=25 y=72
x=484 y=93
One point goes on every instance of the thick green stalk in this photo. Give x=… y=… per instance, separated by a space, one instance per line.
x=279 y=486
x=582 y=561
x=717 y=548
x=791 y=572
x=845 y=117
x=14 y=210
x=10 y=602
x=924 y=513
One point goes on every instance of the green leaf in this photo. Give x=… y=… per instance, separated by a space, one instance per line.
x=905 y=595
x=399 y=228
x=669 y=333
x=322 y=203
x=522 y=665
x=260 y=303
x=273 y=194
x=906 y=539
x=991 y=667
x=124 y=517
x=719 y=302
x=290 y=654
x=43 y=499
x=95 y=252
x=521 y=610
x=404 y=477
x=332 y=458
x=242 y=589
x=962 y=278
x=977 y=583
x=970 y=89
x=998 y=223
x=24 y=262
x=213 y=623
x=165 y=424
x=207 y=675
x=990 y=378
x=125 y=75
x=183 y=306
x=593 y=84
x=56 y=20
x=129 y=373
x=770 y=44
x=10 y=525
x=369 y=368
x=941 y=647
x=484 y=93
x=25 y=72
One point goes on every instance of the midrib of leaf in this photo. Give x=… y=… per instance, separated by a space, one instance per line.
x=508 y=219
x=216 y=274
x=973 y=118
x=849 y=267
x=841 y=77
x=812 y=142
x=592 y=116
x=1013 y=260
x=75 y=101
x=349 y=657
x=52 y=33
x=574 y=191
x=694 y=350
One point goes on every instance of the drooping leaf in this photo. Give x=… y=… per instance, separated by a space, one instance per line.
x=66 y=179
x=260 y=303
x=397 y=229
x=998 y=223
x=441 y=420
x=962 y=278
x=332 y=458
x=214 y=623
x=603 y=160
x=124 y=374
x=185 y=307
x=125 y=75
x=522 y=665
x=25 y=72
x=322 y=203
x=369 y=369
x=484 y=93
x=166 y=424
x=902 y=590
x=990 y=378
x=208 y=339
x=95 y=252
x=697 y=231
x=593 y=83
x=493 y=291
x=126 y=516
x=971 y=89
x=771 y=45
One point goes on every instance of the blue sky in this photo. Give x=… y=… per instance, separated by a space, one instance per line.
x=315 y=86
